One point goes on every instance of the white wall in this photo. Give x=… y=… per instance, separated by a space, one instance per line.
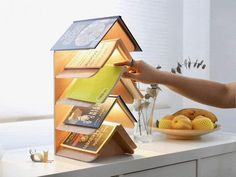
x=157 y=25
x=30 y=134
x=196 y=17
x=223 y=53
x=209 y=32
x=28 y=31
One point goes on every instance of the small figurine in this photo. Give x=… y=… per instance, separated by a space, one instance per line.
x=39 y=157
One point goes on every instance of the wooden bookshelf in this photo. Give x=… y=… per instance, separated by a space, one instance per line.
x=119 y=141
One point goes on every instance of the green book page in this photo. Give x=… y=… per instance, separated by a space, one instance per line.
x=96 y=88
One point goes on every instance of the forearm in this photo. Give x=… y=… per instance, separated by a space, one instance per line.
x=203 y=91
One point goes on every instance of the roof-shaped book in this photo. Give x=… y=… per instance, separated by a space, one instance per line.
x=87 y=34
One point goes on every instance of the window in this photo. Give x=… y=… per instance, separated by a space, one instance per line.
x=30 y=28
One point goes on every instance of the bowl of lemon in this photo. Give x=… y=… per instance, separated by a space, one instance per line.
x=189 y=123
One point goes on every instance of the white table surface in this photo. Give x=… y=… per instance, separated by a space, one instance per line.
x=161 y=152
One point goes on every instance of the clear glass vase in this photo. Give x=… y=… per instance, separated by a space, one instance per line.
x=143 y=128
x=142 y=134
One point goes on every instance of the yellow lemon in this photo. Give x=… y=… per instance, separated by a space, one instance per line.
x=169 y=117
x=164 y=124
x=202 y=123
x=181 y=122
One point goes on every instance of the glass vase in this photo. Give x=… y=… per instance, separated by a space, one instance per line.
x=143 y=128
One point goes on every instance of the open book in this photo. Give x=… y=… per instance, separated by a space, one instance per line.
x=87 y=120
x=109 y=139
x=87 y=91
x=86 y=63
x=87 y=34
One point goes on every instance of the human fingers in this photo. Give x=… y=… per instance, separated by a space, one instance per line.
x=130 y=75
x=130 y=63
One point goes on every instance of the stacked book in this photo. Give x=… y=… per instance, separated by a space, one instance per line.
x=90 y=94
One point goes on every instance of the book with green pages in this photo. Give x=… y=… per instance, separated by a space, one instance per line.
x=94 y=89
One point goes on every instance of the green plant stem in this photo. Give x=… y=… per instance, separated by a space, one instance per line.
x=144 y=121
x=139 y=122
x=146 y=115
x=150 y=124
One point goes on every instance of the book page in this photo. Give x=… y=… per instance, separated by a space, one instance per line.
x=92 y=58
x=97 y=88
x=89 y=143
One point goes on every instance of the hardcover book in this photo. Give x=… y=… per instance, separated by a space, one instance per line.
x=86 y=63
x=86 y=34
x=91 y=116
x=87 y=120
x=89 y=143
x=109 y=139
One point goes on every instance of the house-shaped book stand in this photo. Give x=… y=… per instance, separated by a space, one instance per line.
x=90 y=95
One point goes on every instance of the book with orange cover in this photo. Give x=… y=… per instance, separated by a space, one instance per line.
x=109 y=139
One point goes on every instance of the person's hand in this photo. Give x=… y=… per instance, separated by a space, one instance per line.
x=139 y=71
